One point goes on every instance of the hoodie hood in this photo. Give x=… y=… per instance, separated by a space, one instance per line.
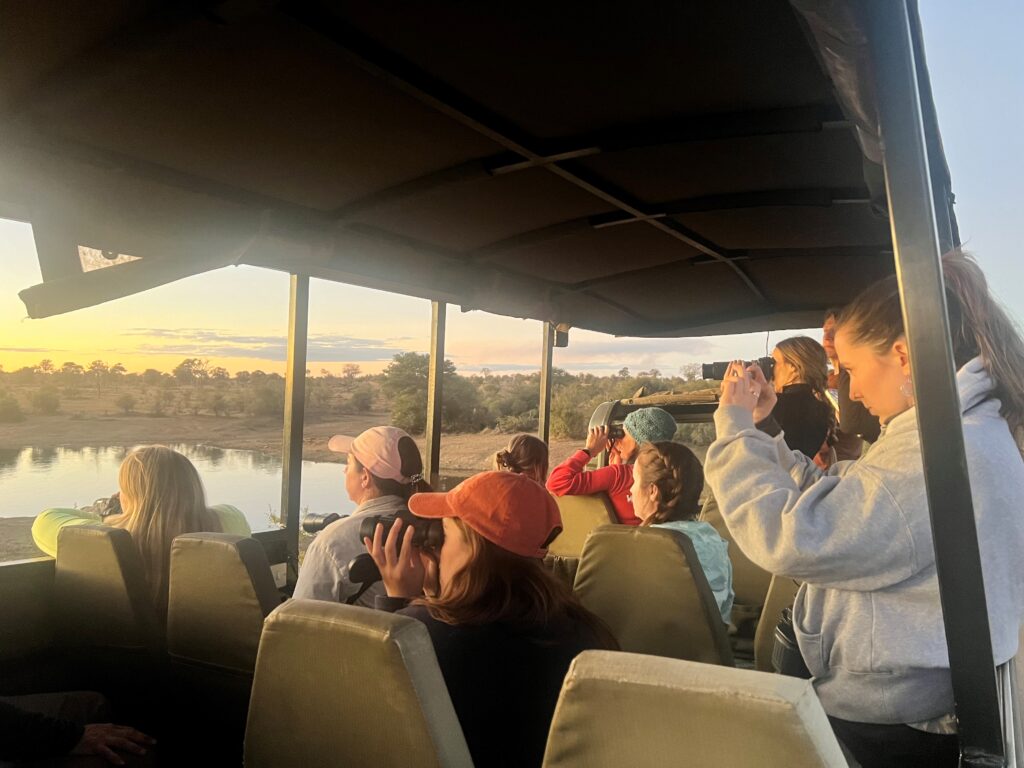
x=975 y=384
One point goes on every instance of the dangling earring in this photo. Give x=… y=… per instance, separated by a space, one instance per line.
x=907 y=388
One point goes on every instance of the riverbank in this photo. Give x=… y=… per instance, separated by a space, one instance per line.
x=460 y=453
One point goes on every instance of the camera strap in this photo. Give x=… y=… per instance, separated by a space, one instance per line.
x=362 y=591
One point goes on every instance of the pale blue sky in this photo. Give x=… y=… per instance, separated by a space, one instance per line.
x=977 y=74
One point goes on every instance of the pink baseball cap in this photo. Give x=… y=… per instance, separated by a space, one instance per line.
x=376 y=450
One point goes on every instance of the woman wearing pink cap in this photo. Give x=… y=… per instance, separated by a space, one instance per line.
x=383 y=470
x=503 y=627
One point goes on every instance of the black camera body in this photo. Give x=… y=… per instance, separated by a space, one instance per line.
x=427 y=534
x=716 y=371
x=616 y=432
x=314 y=522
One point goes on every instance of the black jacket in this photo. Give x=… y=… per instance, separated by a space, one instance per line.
x=28 y=735
x=503 y=680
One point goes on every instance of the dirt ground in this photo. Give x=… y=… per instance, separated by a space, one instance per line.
x=459 y=452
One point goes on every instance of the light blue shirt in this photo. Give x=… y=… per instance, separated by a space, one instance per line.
x=713 y=553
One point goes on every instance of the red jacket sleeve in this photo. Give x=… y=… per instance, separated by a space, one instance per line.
x=570 y=478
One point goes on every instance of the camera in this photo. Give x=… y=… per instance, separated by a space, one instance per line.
x=427 y=534
x=616 y=432
x=716 y=371
x=314 y=522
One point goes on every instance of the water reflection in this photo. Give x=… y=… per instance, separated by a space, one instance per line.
x=8 y=459
x=33 y=479
x=43 y=457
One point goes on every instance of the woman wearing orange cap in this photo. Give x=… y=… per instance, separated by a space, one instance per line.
x=504 y=629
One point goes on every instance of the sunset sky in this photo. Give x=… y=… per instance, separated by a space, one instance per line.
x=978 y=79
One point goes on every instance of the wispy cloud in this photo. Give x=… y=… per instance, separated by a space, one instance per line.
x=208 y=342
x=39 y=350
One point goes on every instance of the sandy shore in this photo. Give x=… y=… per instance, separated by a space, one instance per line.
x=461 y=452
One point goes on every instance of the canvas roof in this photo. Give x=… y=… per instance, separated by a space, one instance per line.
x=659 y=168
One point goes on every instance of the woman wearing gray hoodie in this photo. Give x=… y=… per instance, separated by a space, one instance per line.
x=868 y=618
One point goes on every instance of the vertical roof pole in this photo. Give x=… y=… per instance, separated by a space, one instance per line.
x=435 y=394
x=546 y=357
x=918 y=268
x=294 y=418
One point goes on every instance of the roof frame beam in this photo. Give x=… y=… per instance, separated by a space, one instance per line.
x=414 y=82
x=799 y=198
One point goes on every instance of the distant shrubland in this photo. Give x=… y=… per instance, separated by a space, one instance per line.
x=484 y=401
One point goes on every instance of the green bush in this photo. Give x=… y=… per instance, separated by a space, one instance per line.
x=361 y=400
x=10 y=409
x=45 y=400
x=267 y=400
x=126 y=403
x=523 y=422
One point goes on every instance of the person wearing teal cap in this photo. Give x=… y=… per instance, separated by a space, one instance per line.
x=570 y=478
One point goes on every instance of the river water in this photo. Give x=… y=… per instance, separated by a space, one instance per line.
x=34 y=479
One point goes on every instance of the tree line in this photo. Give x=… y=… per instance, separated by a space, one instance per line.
x=501 y=402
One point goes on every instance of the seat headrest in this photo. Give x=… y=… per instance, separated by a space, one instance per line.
x=352 y=683
x=677 y=616
x=221 y=589
x=728 y=716
x=101 y=590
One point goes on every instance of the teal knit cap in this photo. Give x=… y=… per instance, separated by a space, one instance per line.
x=650 y=425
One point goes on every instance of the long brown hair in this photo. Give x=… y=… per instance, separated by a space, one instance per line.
x=501 y=586
x=809 y=360
x=677 y=474
x=161 y=497
x=412 y=466
x=978 y=324
x=525 y=455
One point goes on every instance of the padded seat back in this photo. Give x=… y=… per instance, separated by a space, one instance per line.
x=349 y=686
x=650 y=589
x=101 y=593
x=221 y=591
x=563 y=567
x=749 y=581
x=781 y=593
x=682 y=713
x=580 y=516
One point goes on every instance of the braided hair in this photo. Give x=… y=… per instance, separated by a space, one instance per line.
x=677 y=474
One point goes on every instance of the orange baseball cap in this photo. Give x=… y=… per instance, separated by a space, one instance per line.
x=510 y=510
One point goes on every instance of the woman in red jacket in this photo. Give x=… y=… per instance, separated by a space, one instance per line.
x=571 y=478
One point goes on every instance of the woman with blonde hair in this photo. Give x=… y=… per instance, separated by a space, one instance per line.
x=161 y=497
x=525 y=455
x=868 y=618
x=803 y=409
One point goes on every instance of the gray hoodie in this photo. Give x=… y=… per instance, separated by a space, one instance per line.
x=868 y=618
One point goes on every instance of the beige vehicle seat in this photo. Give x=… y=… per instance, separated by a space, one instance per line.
x=649 y=588
x=563 y=567
x=349 y=686
x=749 y=581
x=221 y=591
x=580 y=515
x=685 y=714
x=781 y=594
x=112 y=637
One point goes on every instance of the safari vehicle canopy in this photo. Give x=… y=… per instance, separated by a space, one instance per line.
x=661 y=169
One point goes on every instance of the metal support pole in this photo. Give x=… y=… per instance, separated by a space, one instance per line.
x=919 y=270
x=546 y=357
x=294 y=418
x=435 y=391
